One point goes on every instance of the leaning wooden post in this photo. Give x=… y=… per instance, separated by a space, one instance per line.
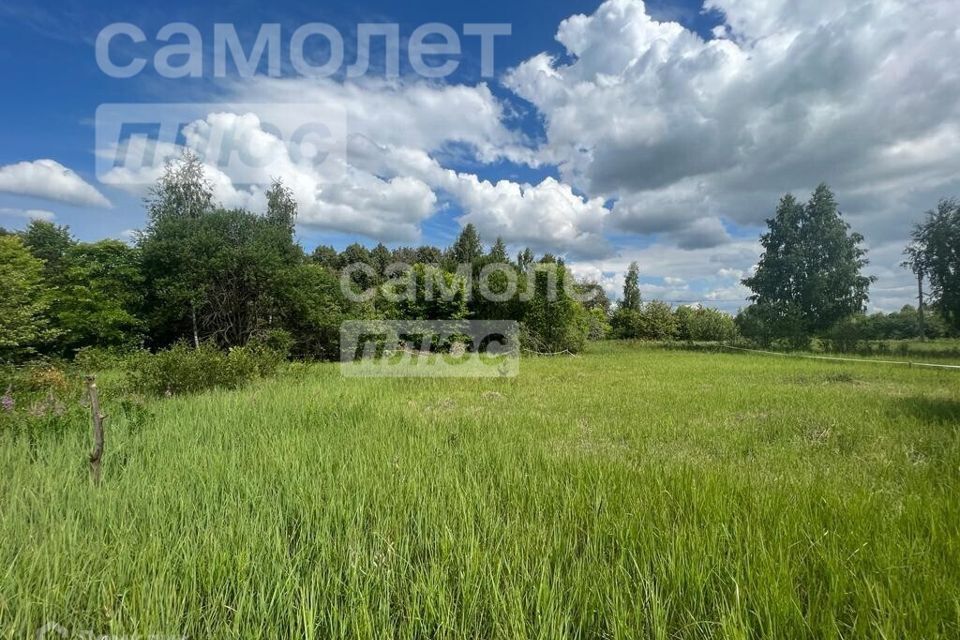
x=97 y=454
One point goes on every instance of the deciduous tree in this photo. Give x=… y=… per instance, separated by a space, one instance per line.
x=24 y=324
x=937 y=242
x=809 y=275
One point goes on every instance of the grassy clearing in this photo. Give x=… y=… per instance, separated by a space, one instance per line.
x=628 y=493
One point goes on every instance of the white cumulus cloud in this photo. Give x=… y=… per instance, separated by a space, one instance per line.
x=862 y=94
x=49 y=180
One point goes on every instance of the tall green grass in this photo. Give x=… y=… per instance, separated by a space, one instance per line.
x=627 y=493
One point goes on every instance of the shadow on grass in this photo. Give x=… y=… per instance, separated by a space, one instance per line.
x=932 y=410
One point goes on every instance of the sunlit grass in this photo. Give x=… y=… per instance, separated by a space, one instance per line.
x=630 y=492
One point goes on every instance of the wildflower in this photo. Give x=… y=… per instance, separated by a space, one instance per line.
x=7 y=401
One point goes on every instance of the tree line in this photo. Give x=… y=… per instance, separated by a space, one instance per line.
x=201 y=273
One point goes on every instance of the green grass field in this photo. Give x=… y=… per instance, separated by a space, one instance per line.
x=630 y=492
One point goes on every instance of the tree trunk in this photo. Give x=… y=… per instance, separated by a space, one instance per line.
x=97 y=454
x=923 y=332
x=193 y=318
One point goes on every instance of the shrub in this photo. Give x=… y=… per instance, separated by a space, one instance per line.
x=655 y=321
x=571 y=338
x=40 y=400
x=93 y=359
x=182 y=369
x=705 y=325
x=627 y=324
x=659 y=322
x=277 y=343
x=598 y=323
x=848 y=335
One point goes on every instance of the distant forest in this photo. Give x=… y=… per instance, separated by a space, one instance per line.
x=200 y=273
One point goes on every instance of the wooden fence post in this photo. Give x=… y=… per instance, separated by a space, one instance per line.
x=97 y=454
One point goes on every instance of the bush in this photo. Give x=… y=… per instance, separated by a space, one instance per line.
x=598 y=323
x=627 y=324
x=655 y=321
x=568 y=339
x=276 y=342
x=93 y=359
x=705 y=325
x=40 y=400
x=182 y=369
x=766 y=325
x=659 y=322
x=848 y=335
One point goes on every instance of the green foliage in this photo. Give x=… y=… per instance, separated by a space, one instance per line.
x=705 y=325
x=753 y=325
x=593 y=296
x=936 y=254
x=351 y=258
x=428 y=255
x=281 y=206
x=498 y=252
x=659 y=322
x=314 y=308
x=628 y=324
x=631 y=289
x=183 y=191
x=90 y=360
x=493 y=281
x=851 y=334
x=326 y=257
x=905 y=324
x=468 y=248
x=48 y=242
x=226 y=268
x=202 y=273
x=525 y=260
x=40 y=401
x=183 y=369
x=380 y=258
x=432 y=294
x=24 y=302
x=599 y=324
x=99 y=297
x=808 y=277
x=628 y=321
x=553 y=322
x=847 y=335
x=653 y=321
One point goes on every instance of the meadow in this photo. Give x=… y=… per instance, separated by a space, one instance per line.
x=631 y=492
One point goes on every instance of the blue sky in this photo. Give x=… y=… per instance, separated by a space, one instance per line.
x=48 y=56
x=661 y=132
